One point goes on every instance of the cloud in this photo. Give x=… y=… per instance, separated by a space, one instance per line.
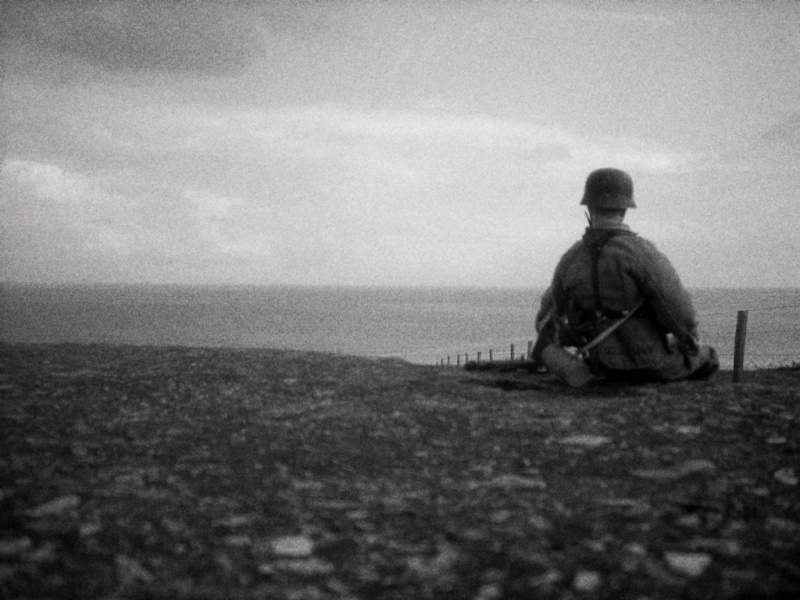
x=333 y=132
x=49 y=181
x=121 y=36
x=323 y=193
x=72 y=225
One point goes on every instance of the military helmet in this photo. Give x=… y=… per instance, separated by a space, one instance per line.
x=609 y=188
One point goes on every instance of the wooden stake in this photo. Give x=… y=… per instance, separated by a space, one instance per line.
x=479 y=358
x=530 y=348
x=512 y=351
x=491 y=358
x=738 y=349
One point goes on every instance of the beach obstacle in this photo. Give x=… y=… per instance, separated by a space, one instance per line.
x=515 y=361
x=738 y=346
x=738 y=356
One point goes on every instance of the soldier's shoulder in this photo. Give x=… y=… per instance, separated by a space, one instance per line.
x=635 y=240
x=571 y=251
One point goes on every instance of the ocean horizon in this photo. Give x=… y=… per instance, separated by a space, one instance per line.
x=422 y=325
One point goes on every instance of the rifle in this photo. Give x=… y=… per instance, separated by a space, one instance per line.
x=505 y=366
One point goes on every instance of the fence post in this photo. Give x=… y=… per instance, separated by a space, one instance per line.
x=738 y=348
x=491 y=358
x=530 y=349
x=458 y=360
x=512 y=351
x=478 y=360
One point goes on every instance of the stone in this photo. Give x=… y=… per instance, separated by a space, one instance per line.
x=692 y=564
x=489 y=591
x=129 y=570
x=689 y=429
x=56 y=507
x=306 y=567
x=295 y=546
x=586 y=440
x=586 y=581
x=690 y=467
x=237 y=541
x=15 y=547
x=518 y=482
x=787 y=476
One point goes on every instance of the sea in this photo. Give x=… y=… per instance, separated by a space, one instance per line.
x=424 y=325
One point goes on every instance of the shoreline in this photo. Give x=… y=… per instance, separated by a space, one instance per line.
x=792 y=364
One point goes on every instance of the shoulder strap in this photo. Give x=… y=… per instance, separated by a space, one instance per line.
x=595 y=246
x=607 y=332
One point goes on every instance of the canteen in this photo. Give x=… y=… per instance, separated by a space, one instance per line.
x=569 y=367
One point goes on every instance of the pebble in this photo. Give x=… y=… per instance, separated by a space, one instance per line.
x=56 y=507
x=46 y=554
x=15 y=547
x=489 y=591
x=728 y=547
x=130 y=570
x=234 y=521
x=237 y=541
x=539 y=522
x=689 y=429
x=586 y=440
x=546 y=580
x=517 y=482
x=295 y=546
x=636 y=549
x=690 y=467
x=691 y=520
x=692 y=564
x=501 y=516
x=779 y=525
x=89 y=529
x=787 y=476
x=308 y=567
x=586 y=581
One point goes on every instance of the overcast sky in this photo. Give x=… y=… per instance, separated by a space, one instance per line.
x=393 y=143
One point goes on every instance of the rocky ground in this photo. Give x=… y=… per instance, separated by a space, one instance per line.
x=186 y=473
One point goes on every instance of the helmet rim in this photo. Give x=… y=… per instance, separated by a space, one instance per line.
x=608 y=188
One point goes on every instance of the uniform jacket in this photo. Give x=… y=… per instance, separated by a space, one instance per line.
x=629 y=268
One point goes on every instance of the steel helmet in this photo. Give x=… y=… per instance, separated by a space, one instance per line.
x=609 y=188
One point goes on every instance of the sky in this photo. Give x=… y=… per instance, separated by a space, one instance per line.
x=392 y=143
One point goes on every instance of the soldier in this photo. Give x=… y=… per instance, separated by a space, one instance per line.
x=614 y=277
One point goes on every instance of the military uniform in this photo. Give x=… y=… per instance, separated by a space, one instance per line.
x=603 y=277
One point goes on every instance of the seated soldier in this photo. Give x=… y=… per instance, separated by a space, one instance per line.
x=611 y=272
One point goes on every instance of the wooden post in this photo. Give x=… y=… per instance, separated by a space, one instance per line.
x=466 y=358
x=530 y=348
x=738 y=348
x=491 y=358
x=512 y=351
x=448 y=360
x=458 y=360
x=479 y=358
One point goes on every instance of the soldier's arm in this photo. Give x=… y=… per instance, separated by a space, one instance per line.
x=662 y=288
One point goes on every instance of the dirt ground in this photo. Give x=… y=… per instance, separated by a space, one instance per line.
x=202 y=473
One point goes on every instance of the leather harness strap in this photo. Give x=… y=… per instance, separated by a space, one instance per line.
x=594 y=249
